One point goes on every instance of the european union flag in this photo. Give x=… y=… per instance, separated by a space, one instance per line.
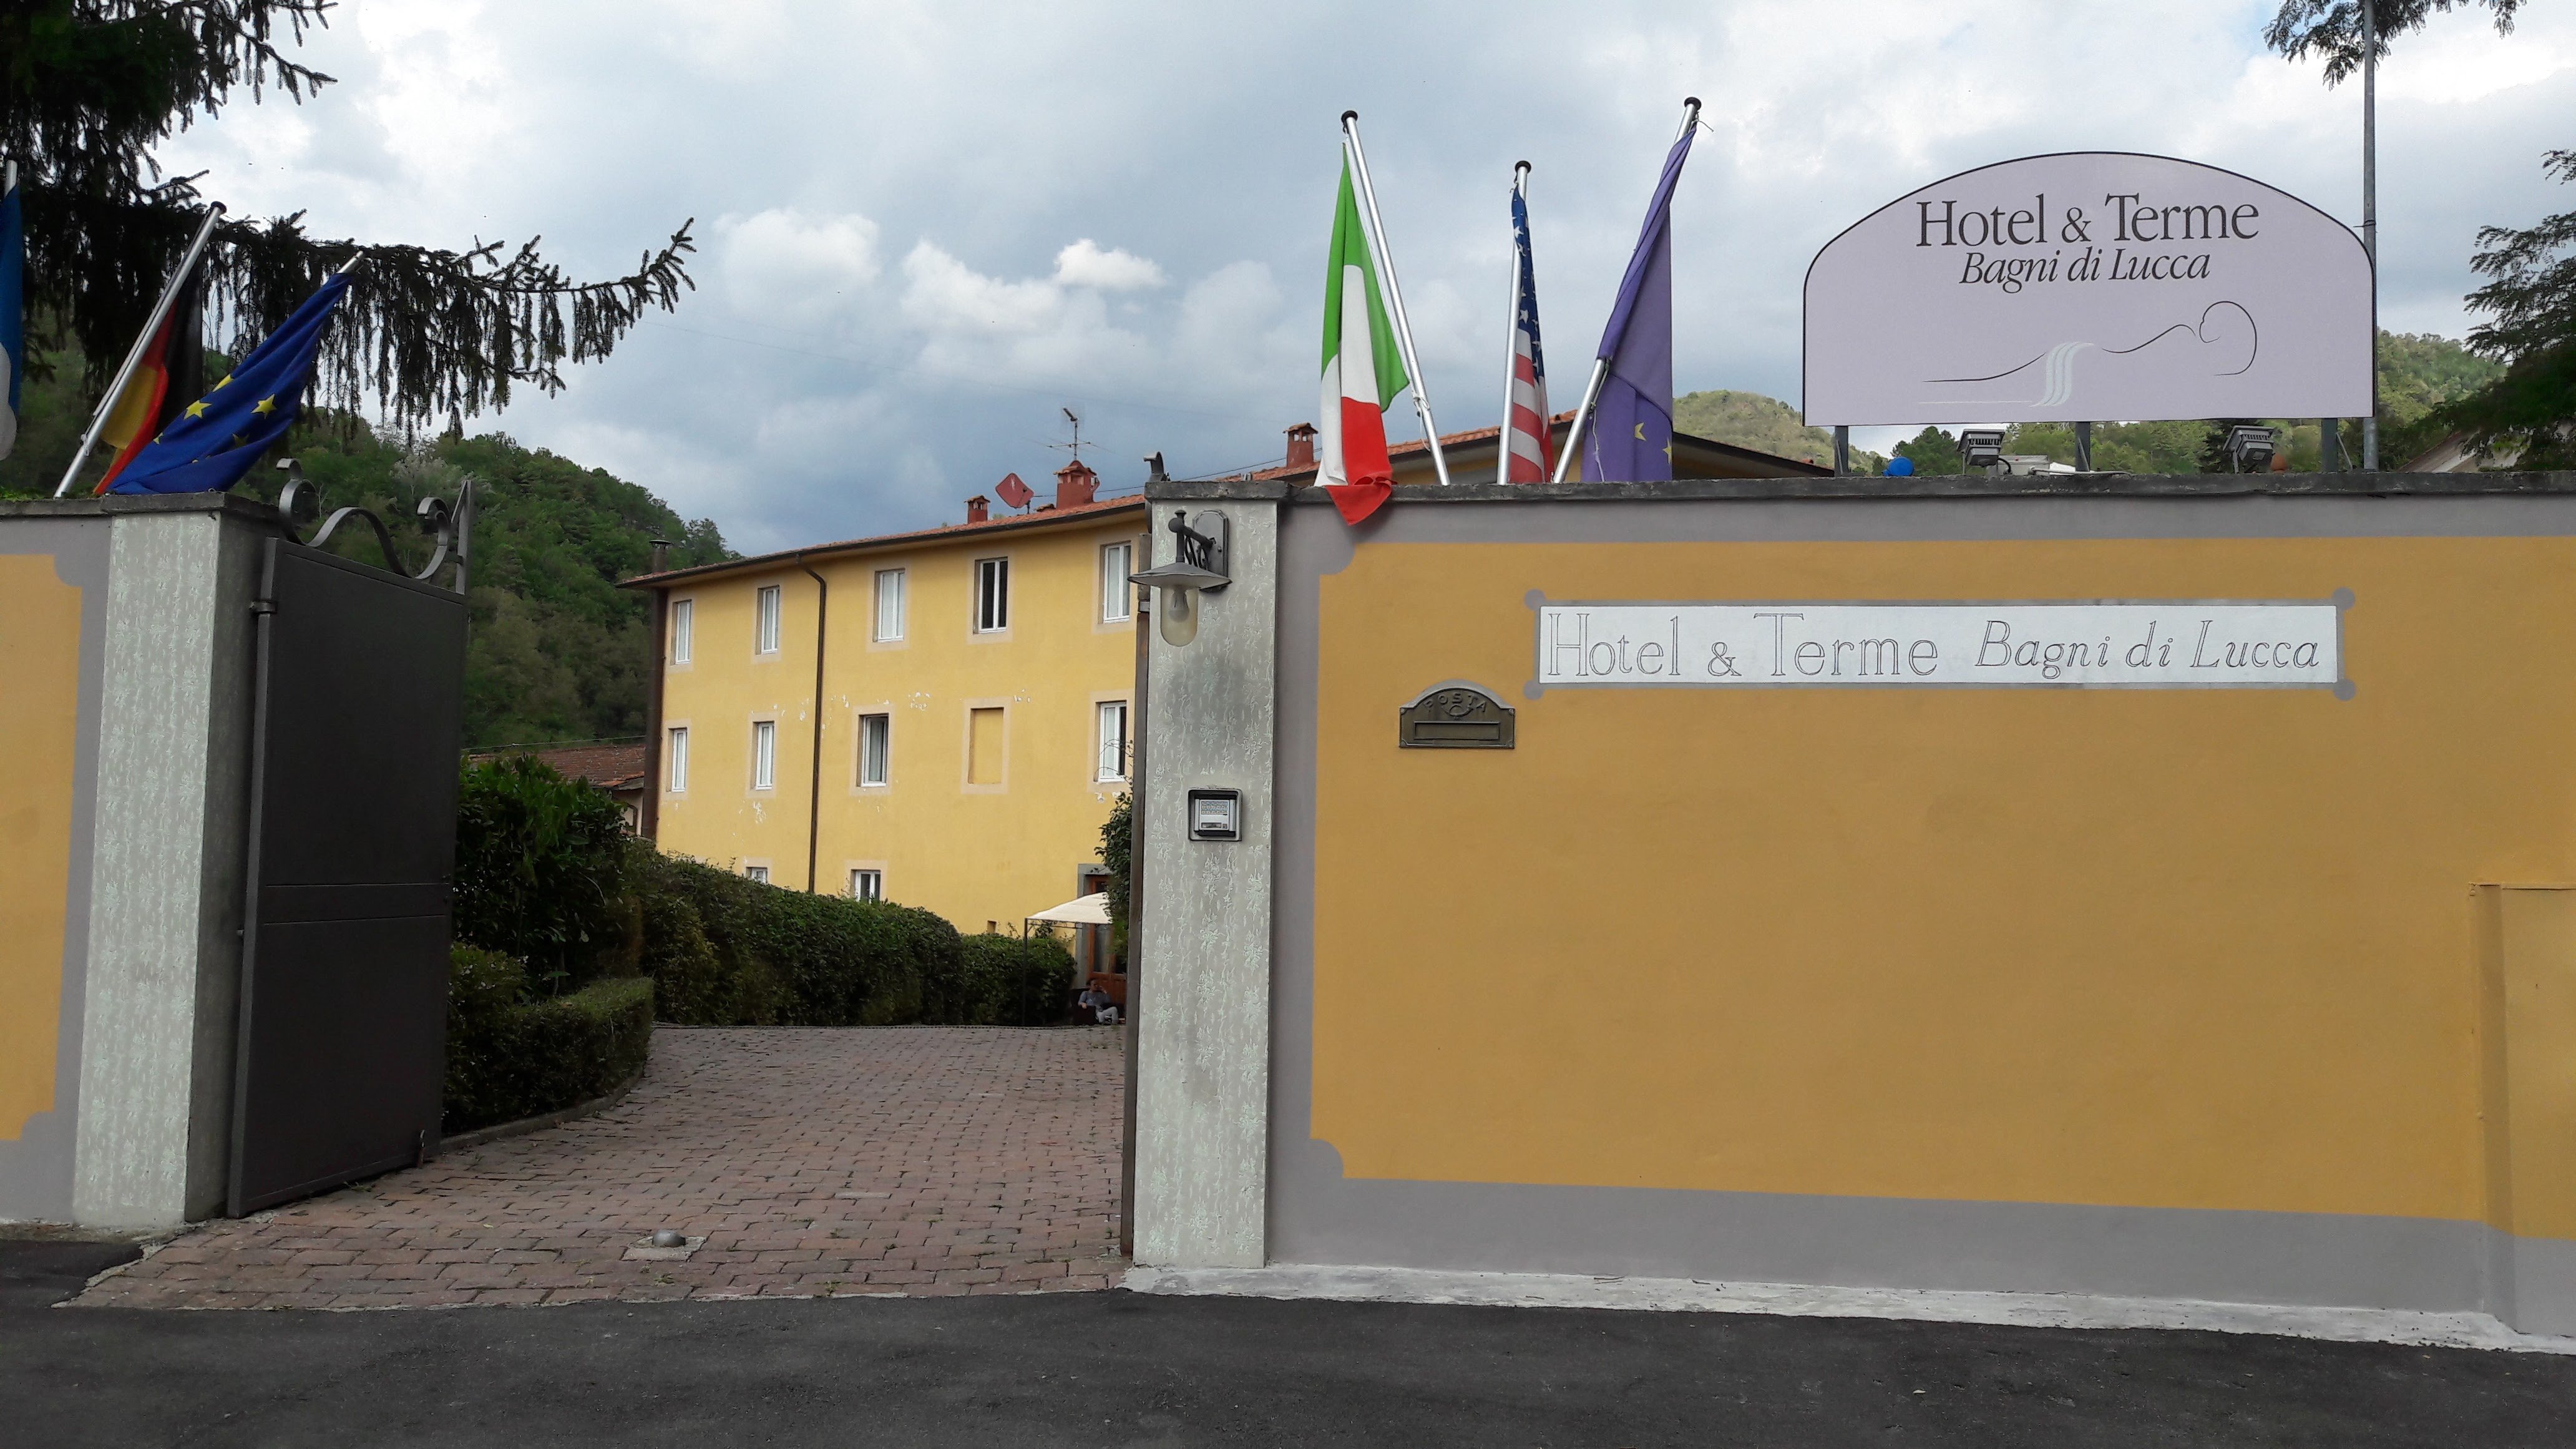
x=222 y=434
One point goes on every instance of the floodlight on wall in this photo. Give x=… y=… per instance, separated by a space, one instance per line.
x=1981 y=448
x=2250 y=447
x=1199 y=567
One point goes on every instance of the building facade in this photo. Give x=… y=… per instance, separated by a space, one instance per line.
x=942 y=718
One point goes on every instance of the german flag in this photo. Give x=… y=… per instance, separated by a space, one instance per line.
x=170 y=375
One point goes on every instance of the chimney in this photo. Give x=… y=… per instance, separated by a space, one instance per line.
x=978 y=509
x=1075 y=483
x=1301 y=446
x=661 y=555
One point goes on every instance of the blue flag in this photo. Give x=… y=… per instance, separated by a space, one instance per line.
x=211 y=445
x=1632 y=423
x=13 y=314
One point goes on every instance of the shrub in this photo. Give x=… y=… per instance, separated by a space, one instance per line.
x=509 y=1056
x=540 y=871
x=1003 y=981
x=777 y=955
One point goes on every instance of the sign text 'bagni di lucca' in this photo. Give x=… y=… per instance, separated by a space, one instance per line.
x=2090 y=285
x=2171 y=644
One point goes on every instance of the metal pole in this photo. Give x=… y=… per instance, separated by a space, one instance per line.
x=1601 y=365
x=1582 y=415
x=134 y=354
x=1394 y=295
x=1512 y=346
x=2083 y=447
x=2370 y=216
x=1842 y=450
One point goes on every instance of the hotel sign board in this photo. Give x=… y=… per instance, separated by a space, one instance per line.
x=2095 y=286
x=2175 y=644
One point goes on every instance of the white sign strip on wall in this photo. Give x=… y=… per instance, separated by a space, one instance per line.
x=2180 y=644
x=2089 y=285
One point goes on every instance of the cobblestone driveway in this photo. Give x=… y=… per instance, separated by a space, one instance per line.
x=910 y=1160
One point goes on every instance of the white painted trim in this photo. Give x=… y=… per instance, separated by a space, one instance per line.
x=1800 y=1300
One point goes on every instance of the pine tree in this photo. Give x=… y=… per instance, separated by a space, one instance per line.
x=2530 y=412
x=89 y=87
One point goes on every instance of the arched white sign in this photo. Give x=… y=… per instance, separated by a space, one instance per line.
x=2090 y=285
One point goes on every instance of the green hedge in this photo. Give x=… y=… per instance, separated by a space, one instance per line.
x=509 y=1056
x=1003 y=981
x=541 y=862
x=724 y=950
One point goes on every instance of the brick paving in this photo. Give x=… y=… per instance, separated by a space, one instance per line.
x=919 y=1161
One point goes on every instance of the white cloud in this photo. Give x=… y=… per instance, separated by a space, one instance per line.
x=1084 y=264
x=785 y=266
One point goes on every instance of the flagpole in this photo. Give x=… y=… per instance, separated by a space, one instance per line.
x=2370 y=217
x=1601 y=365
x=1512 y=344
x=1394 y=295
x=134 y=355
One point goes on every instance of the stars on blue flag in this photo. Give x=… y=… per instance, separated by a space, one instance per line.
x=221 y=435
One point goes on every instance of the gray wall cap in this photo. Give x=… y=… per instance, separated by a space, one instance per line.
x=2060 y=485
x=116 y=503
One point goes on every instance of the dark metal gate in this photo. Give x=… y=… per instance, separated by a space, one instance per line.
x=343 y=1018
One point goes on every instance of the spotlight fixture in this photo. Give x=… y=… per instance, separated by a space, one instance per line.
x=1981 y=449
x=2250 y=447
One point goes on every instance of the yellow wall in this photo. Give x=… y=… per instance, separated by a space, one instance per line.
x=971 y=852
x=40 y=638
x=2186 y=948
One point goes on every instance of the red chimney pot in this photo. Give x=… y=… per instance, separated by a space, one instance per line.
x=1075 y=484
x=1301 y=446
x=978 y=509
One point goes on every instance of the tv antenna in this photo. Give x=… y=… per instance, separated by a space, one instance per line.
x=1074 y=447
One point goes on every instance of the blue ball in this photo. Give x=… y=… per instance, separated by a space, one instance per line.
x=1900 y=467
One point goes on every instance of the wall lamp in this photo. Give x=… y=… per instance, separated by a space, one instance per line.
x=1199 y=566
x=1980 y=448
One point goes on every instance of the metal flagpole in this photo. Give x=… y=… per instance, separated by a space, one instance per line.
x=134 y=355
x=1394 y=294
x=1601 y=365
x=2370 y=217
x=1512 y=345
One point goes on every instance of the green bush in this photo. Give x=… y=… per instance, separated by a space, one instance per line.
x=777 y=955
x=541 y=872
x=1003 y=981
x=510 y=1056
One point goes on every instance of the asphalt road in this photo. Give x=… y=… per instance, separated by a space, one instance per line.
x=1120 y=1369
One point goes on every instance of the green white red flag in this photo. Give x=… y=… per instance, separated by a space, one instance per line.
x=1363 y=370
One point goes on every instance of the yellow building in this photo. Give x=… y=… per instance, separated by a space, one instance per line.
x=976 y=685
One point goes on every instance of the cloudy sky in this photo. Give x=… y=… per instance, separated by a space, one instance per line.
x=925 y=228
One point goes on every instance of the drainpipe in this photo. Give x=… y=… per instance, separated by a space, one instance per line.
x=648 y=811
x=814 y=799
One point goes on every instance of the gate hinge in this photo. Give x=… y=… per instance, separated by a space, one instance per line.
x=262 y=606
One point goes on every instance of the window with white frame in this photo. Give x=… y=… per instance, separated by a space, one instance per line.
x=679 y=753
x=876 y=738
x=992 y=595
x=684 y=629
x=765 y=629
x=1113 y=740
x=1117 y=596
x=867 y=885
x=759 y=873
x=764 y=754
x=889 y=625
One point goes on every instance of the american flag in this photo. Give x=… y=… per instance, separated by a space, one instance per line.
x=1528 y=456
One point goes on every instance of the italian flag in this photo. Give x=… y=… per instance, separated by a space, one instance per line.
x=1363 y=370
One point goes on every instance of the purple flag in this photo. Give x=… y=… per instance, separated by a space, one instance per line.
x=1632 y=425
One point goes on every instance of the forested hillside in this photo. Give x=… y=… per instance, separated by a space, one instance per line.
x=556 y=649
x=2418 y=373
